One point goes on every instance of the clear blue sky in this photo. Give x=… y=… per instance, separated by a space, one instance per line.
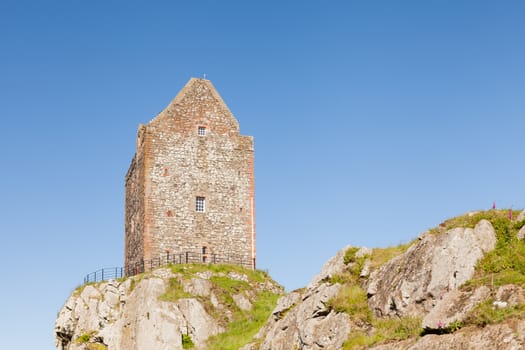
x=373 y=121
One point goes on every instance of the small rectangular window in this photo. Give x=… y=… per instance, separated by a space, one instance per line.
x=204 y=255
x=200 y=204
x=201 y=131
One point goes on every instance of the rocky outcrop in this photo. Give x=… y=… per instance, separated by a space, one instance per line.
x=412 y=283
x=136 y=314
x=505 y=336
x=423 y=281
x=303 y=318
x=425 y=284
x=454 y=306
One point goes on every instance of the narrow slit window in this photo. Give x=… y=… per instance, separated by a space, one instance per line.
x=201 y=131
x=204 y=255
x=200 y=204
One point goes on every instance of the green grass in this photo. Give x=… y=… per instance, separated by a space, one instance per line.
x=485 y=313
x=135 y=280
x=381 y=256
x=384 y=330
x=96 y=346
x=506 y=263
x=245 y=325
x=354 y=267
x=174 y=291
x=187 y=342
x=223 y=285
x=352 y=300
x=350 y=255
x=85 y=337
x=188 y=270
x=470 y=220
x=229 y=285
x=355 y=263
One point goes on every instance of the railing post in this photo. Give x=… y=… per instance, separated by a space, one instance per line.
x=187 y=257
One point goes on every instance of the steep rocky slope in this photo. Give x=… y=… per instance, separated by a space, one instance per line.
x=458 y=286
x=170 y=308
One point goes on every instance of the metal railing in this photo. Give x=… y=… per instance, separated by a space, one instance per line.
x=168 y=259
x=104 y=274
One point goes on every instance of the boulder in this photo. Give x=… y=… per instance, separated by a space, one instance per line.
x=413 y=283
x=521 y=233
x=511 y=294
x=454 y=306
x=306 y=322
x=302 y=319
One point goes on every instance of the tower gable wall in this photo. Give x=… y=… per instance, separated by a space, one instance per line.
x=180 y=165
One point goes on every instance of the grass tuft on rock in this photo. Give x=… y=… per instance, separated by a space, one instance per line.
x=245 y=324
x=352 y=300
x=384 y=330
x=485 y=313
x=174 y=291
x=187 y=342
x=506 y=263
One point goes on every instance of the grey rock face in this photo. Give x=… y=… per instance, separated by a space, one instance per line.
x=423 y=282
x=129 y=315
x=521 y=233
x=454 y=307
x=125 y=319
x=302 y=319
x=511 y=294
x=495 y=337
x=306 y=322
x=413 y=283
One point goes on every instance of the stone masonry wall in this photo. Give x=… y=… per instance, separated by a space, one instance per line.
x=179 y=165
x=134 y=219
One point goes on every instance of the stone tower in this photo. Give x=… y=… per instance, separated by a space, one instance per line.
x=190 y=186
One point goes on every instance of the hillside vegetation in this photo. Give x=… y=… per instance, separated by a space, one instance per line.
x=502 y=266
x=458 y=285
x=177 y=307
